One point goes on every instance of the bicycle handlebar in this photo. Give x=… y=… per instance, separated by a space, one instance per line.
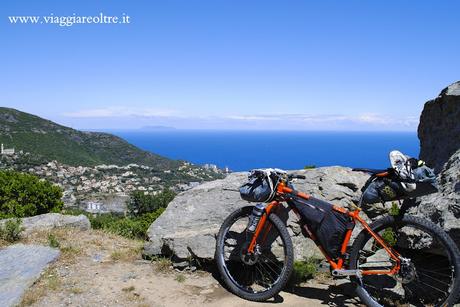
x=293 y=176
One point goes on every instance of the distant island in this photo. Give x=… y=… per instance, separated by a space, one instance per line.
x=157 y=128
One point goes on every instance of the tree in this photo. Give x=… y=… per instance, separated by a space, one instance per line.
x=140 y=203
x=27 y=195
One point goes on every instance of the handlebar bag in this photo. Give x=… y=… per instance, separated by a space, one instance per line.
x=259 y=188
x=328 y=225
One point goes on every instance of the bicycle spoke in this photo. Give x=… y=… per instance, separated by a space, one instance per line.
x=436 y=272
x=433 y=287
x=267 y=262
x=432 y=278
x=425 y=279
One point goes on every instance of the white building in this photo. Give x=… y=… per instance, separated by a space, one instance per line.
x=7 y=151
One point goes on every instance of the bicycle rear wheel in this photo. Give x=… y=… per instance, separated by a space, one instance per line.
x=429 y=273
x=262 y=275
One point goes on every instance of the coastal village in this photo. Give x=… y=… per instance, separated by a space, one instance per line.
x=105 y=188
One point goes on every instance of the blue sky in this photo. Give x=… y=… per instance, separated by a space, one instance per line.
x=302 y=65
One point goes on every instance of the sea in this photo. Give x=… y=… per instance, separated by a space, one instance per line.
x=245 y=150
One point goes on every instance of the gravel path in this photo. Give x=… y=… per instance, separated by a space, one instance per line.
x=100 y=269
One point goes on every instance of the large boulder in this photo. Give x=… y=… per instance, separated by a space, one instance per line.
x=439 y=128
x=443 y=208
x=188 y=227
x=439 y=133
x=49 y=221
x=20 y=266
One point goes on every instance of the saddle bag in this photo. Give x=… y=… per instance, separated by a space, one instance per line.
x=378 y=190
x=329 y=226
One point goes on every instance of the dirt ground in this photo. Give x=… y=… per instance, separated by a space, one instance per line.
x=100 y=269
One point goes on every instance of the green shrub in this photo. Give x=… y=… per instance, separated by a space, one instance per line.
x=141 y=203
x=389 y=236
x=309 y=166
x=143 y=211
x=26 y=195
x=53 y=241
x=394 y=210
x=304 y=270
x=130 y=227
x=11 y=230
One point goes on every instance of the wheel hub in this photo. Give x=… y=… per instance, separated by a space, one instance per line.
x=407 y=272
x=249 y=258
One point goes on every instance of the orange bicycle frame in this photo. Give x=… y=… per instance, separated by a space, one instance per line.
x=263 y=229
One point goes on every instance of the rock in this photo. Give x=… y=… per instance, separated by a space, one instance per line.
x=20 y=267
x=53 y=220
x=190 y=223
x=443 y=208
x=439 y=133
x=439 y=128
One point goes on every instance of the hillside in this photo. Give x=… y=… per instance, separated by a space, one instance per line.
x=52 y=141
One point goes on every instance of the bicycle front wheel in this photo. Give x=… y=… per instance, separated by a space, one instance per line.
x=430 y=264
x=259 y=276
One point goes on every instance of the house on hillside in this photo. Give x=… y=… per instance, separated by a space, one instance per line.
x=7 y=151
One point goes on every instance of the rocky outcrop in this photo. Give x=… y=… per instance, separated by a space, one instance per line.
x=439 y=128
x=443 y=208
x=190 y=223
x=53 y=220
x=20 y=266
x=439 y=133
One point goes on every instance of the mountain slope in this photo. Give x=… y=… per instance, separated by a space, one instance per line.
x=52 y=141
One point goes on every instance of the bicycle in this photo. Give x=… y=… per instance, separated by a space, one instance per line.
x=397 y=260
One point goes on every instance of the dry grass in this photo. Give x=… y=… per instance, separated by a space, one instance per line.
x=76 y=246
x=128 y=289
x=76 y=290
x=49 y=281
x=162 y=264
x=127 y=254
x=4 y=243
x=180 y=278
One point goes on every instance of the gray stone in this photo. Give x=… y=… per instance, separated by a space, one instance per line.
x=20 y=266
x=443 y=208
x=53 y=220
x=439 y=128
x=439 y=133
x=190 y=223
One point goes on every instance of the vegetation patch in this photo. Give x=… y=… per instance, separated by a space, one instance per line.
x=53 y=241
x=128 y=289
x=11 y=230
x=162 y=264
x=304 y=270
x=180 y=278
x=24 y=195
x=143 y=210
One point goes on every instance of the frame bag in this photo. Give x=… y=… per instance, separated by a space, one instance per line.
x=328 y=225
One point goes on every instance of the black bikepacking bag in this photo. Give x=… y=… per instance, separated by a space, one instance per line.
x=381 y=190
x=258 y=189
x=328 y=225
x=378 y=190
x=425 y=182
